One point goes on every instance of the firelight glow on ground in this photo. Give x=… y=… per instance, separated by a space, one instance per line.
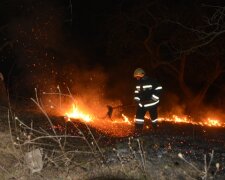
x=123 y=126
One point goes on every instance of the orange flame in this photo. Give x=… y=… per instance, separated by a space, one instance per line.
x=185 y=119
x=119 y=126
x=75 y=113
x=213 y=123
x=122 y=126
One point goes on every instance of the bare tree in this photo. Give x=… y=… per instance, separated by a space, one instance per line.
x=208 y=40
x=185 y=46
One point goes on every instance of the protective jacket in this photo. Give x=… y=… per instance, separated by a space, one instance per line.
x=147 y=92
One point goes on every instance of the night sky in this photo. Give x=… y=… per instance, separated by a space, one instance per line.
x=46 y=43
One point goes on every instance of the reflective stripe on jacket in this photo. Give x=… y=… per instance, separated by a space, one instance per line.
x=147 y=92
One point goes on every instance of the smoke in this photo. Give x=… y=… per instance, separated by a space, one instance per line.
x=48 y=61
x=209 y=112
x=171 y=104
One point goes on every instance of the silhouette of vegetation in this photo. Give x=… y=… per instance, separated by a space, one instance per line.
x=183 y=49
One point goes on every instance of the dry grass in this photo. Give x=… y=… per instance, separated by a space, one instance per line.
x=134 y=158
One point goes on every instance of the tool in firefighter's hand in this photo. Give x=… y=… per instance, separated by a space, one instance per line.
x=110 y=108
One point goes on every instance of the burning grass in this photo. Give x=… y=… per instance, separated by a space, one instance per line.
x=188 y=120
x=70 y=146
x=64 y=156
x=122 y=126
x=94 y=113
x=117 y=127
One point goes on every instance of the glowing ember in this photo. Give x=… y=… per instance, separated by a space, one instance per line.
x=119 y=126
x=122 y=126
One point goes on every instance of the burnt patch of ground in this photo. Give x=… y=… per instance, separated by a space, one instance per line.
x=94 y=155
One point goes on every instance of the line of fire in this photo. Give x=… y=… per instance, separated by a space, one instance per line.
x=96 y=116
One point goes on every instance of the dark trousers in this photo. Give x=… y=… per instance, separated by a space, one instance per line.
x=140 y=114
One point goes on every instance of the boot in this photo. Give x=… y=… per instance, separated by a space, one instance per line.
x=155 y=127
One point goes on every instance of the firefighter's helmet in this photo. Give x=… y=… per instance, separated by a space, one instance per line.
x=139 y=72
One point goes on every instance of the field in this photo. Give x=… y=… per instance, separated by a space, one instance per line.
x=34 y=146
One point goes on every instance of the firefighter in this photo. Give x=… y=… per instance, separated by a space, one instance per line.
x=147 y=97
